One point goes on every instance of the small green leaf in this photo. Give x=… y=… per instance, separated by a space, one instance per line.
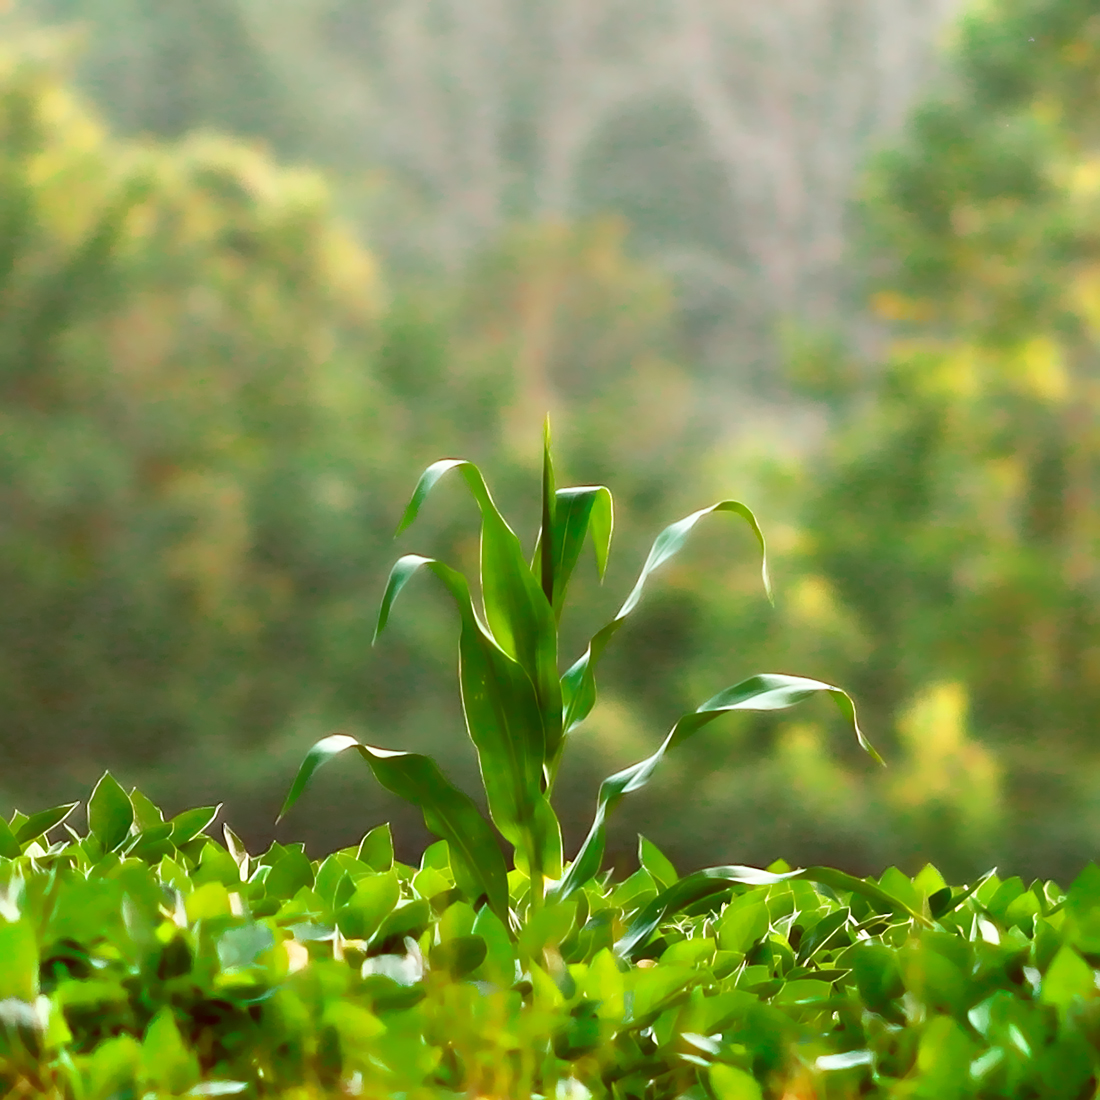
x=19 y=952
x=9 y=846
x=458 y=956
x=189 y=824
x=409 y=918
x=235 y=846
x=656 y=863
x=113 y=1066
x=376 y=848
x=744 y=921
x=110 y=813
x=1067 y=978
x=373 y=900
x=166 y=1061
x=208 y=902
x=291 y=872
x=146 y=814
x=241 y=947
x=877 y=975
x=41 y=823
x=499 y=966
x=944 y=1059
x=151 y=844
x=731 y=1083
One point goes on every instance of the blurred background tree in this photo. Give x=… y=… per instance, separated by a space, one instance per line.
x=961 y=519
x=948 y=533
x=728 y=133
x=221 y=376
x=185 y=432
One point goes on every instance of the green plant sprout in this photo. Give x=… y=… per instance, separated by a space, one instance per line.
x=520 y=710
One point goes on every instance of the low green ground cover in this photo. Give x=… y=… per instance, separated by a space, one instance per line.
x=155 y=958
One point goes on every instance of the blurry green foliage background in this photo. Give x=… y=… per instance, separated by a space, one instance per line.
x=220 y=377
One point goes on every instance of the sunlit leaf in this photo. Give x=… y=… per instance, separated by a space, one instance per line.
x=448 y=813
x=503 y=718
x=189 y=824
x=688 y=890
x=376 y=848
x=110 y=813
x=9 y=846
x=569 y=514
x=579 y=682
x=656 y=863
x=758 y=693
x=41 y=823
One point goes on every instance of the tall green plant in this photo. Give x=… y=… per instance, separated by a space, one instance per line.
x=519 y=709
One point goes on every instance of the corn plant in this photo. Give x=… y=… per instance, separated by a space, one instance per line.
x=520 y=710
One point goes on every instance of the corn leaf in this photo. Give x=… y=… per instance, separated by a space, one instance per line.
x=503 y=719
x=517 y=612
x=758 y=693
x=713 y=880
x=688 y=890
x=579 y=682
x=448 y=813
x=569 y=514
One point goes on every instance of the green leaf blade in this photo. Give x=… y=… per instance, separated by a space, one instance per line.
x=579 y=683
x=110 y=813
x=517 y=611
x=758 y=693
x=504 y=719
x=42 y=822
x=448 y=813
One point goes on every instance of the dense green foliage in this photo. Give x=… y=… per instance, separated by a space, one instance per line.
x=148 y=959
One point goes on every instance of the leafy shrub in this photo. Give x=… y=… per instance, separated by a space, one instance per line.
x=147 y=958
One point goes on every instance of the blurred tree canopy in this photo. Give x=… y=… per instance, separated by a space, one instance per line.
x=729 y=134
x=958 y=520
x=184 y=425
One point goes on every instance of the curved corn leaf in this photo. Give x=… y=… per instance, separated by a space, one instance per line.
x=839 y=880
x=517 y=611
x=503 y=719
x=688 y=890
x=758 y=693
x=579 y=682
x=10 y=848
x=577 y=511
x=713 y=880
x=448 y=813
